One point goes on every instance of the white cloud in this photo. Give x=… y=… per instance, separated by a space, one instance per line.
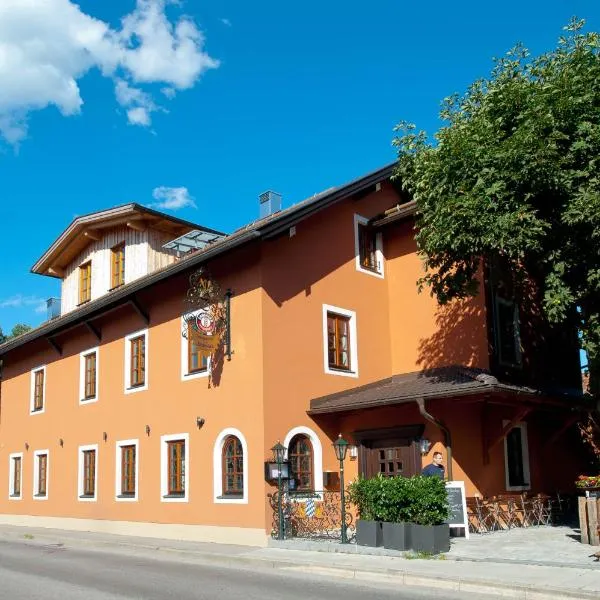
x=226 y=22
x=172 y=198
x=21 y=301
x=46 y=46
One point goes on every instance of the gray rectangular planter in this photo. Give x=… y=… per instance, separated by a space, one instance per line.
x=397 y=536
x=369 y=533
x=430 y=538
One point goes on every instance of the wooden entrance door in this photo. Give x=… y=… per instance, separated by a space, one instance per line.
x=390 y=452
x=390 y=460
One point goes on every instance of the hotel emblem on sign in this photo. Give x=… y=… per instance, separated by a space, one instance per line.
x=205 y=314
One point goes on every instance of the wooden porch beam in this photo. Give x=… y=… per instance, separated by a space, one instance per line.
x=93 y=330
x=484 y=432
x=56 y=271
x=139 y=310
x=518 y=417
x=566 y=425
x=137 y=225
x=92 y=235
x=54 y=345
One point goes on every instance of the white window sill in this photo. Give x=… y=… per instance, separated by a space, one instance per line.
x=137 y=388
x=87 y=498
x=230 y=500
x=373 y=273
x=126 y=498
x=174 y=498
x=341 y=372
x=195 y=375
x=88 y=400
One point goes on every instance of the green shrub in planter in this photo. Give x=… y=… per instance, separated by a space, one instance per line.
x=366 y=495
x=426 y=501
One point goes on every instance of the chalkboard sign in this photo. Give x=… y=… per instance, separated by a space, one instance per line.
x=458 y=506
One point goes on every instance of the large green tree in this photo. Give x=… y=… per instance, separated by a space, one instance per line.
x=17 y=330
x=513 y=177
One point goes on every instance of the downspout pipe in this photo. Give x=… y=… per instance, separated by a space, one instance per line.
x=440 y=424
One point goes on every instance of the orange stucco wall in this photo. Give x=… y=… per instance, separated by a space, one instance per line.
x=280 y=287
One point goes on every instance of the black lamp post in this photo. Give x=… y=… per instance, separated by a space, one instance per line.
x=279 y=457
x=341 y=447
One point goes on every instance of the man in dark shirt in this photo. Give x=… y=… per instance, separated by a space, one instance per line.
x=436 y=468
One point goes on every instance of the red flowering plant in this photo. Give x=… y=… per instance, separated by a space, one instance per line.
x=588 y=481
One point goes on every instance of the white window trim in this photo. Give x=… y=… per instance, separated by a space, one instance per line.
x=80 y=497
x=11 y=474
x=317 y=455
x=128 y=338
x=517 y=327
x=82 y=355
x=218 y=467
x=353 y=372
x=526 y=471
x=164 y=466
x=185 y=367
x=380 y=273
x=36 y=473
x=118 y=470
x=32 y=390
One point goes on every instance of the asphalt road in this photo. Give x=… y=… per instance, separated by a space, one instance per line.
x=33 y=571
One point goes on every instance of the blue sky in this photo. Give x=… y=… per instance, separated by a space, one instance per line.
x=294 y=97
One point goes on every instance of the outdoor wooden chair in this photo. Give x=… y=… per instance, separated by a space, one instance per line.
x=484 y=516
x=527 y=510
x=542 y=509
x=508 y=511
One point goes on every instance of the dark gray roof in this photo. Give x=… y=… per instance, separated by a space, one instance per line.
x=431 y=383
x=266 y=228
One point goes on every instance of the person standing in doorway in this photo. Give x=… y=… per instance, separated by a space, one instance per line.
x=436 y=468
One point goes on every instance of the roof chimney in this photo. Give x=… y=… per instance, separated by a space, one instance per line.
x=270 y=203
x=53 y=305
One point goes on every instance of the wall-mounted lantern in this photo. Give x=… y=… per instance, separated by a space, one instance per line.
x=424 y=446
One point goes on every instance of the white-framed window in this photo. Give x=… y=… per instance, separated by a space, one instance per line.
x=174 y=467
x=15 y=476
x=507 y=328
x=41 y=474
x=516 y=458
x=87 y=478
x=126 y=470
x=340 y=346
x=89 y=366
x=315 y=460
x=193 y=365
x=37 y=396
x=230 y=467
x=368 y=248
x=136 y=361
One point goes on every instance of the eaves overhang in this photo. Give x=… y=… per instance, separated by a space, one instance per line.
x=266 y=228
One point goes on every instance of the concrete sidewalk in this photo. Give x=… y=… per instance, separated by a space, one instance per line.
x=530 y=582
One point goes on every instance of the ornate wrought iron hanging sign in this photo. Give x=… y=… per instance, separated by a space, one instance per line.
x=206 y=315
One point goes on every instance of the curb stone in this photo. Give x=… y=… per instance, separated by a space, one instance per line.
x=400 y=576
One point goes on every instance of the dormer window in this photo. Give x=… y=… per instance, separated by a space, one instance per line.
x=85 y=282
x=117 y=266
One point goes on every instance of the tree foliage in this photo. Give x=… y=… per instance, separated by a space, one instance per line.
x=17 y=330
x=514 y=177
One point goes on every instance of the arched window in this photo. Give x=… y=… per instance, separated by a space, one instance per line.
x=233 y=467
x=300 y=456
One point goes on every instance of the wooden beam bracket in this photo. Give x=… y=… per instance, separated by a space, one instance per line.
x=54 y=345
x=525 y=410
x=93 y=330
x=93 y=235
x=566 y=425
x=139 y=310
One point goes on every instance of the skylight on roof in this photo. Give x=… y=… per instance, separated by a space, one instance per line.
x=194 y=240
